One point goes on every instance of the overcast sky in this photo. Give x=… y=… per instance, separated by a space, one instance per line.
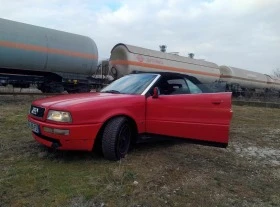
x=240 y=33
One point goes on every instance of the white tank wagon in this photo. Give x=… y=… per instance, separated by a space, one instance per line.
x=239 y=80
x=127 y=58
x=276 y=84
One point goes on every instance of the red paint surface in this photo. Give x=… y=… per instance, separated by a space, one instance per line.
x=81 y=137
x=197 y=116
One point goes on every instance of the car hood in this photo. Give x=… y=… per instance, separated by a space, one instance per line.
x=73 y=100
x=89 y=108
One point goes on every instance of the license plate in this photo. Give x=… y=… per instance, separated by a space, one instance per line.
x=34 y=127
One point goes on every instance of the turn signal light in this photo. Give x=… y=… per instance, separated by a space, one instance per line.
x=56 y=131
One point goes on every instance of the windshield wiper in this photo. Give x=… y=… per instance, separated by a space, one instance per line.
x=111 y=91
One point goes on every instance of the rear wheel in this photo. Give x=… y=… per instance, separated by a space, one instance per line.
x=116 y=138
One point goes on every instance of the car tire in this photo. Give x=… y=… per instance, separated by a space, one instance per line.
x=116 y=138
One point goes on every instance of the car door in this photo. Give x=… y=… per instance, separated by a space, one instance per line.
x=197 y=115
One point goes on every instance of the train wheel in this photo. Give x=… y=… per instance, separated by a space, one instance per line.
x=84 y=89
x=78 y=89
x=51 y=88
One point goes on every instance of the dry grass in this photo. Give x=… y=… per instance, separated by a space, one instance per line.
x=167 y=173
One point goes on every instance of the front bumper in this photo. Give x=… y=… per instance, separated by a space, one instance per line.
x=81 y=137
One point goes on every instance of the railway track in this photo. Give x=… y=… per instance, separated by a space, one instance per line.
x=29 y=94
x=32 y=93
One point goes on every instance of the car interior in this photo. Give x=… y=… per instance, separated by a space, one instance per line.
x=171 y=85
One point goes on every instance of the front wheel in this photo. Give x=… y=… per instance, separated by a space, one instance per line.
x=116 y=138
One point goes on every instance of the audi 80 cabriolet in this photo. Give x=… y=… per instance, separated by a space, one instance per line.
x=136 y=105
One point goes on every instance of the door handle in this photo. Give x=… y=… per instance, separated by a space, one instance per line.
x=217 y=101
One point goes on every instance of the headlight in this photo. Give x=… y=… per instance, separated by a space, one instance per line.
x=60 y=116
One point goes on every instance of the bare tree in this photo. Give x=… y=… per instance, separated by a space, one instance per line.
x=276 y=72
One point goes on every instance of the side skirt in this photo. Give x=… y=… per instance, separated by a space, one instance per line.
x=148 y=138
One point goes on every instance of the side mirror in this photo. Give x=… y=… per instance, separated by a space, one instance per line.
x=156 y=92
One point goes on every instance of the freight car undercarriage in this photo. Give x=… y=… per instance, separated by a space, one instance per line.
x=49 y=82
x=238 y=91
x=75 y=83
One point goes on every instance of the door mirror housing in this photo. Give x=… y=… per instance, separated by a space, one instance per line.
x=156 y=92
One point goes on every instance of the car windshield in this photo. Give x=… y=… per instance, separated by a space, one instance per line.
x=130 y=84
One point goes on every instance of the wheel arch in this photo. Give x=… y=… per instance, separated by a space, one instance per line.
x=98 y=139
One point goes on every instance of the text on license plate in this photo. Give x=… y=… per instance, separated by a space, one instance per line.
x=34 y=127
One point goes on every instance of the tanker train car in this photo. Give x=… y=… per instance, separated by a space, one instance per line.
x=247 y=83
x=244 y=82
x=53 y=60
x=127 y=58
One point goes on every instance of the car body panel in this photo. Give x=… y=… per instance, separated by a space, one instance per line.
x=197 y=116
x=87 y=118
x=96 y=107
x=81 y=137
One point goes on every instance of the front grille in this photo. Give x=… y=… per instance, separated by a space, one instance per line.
x=37 y=111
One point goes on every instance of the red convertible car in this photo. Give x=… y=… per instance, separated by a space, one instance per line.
x=136 y=105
